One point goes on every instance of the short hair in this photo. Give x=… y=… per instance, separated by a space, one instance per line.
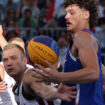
x=10 y=46
x=27 y=10
x=88 y=5
x=16 y=39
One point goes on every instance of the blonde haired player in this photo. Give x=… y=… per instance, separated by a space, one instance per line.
x=14 y=60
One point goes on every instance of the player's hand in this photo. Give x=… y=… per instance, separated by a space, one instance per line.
x=66 y=93
x=3 y=87
x=49 y=74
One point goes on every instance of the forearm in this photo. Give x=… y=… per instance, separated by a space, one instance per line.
x=38 y=88
x=81 y=76
x=3 y=42
x=46 y=91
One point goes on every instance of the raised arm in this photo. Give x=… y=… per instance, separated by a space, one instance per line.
x=3 y=42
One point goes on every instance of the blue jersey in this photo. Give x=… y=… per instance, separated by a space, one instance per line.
x=90 y=93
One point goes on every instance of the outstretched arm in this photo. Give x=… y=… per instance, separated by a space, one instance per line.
x=3 y=42
x=46 y=91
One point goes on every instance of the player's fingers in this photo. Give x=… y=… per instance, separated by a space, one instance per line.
x=37 y=66
x=40 y=74
x=3 y=90
x=68 y=99
x=73 y=87
x=49 y=64
x=73 y=96
x=74 y=93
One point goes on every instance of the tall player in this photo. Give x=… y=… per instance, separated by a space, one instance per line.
x=83 y=59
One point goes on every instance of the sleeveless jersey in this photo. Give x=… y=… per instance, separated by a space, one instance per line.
x=90 y=93
x=37 y=101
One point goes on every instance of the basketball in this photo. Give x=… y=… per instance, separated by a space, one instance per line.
x=42 y=48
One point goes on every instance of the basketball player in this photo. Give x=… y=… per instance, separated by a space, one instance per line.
x=14 y=60
x=20 y=42
x=83 y=59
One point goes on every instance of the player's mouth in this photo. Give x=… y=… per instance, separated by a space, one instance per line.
x=68 y=24
x=10 y=69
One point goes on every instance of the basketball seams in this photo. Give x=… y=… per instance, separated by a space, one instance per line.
x=48 y=47
x=38 y=54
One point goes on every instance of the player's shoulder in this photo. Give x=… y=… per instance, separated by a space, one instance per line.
x=82 y=36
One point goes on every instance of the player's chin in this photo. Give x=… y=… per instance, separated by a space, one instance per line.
x=12 y=74
x=69 y=28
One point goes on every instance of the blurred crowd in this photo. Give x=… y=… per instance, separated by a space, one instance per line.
x=29 y=18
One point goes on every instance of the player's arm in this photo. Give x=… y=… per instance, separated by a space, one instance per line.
x=2 y=84
x=1 y=73
x=87 y=53
x=46 y=91
x=103 y=69
x=3 y=42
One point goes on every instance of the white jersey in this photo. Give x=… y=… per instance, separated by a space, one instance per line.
x=37 y=101
x=10 y=82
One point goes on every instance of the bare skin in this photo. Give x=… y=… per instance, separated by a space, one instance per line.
x=84 y=48
x=37 y=87
x=15 y=65
x=2 y=84
x=48 y=92
x=3 y=42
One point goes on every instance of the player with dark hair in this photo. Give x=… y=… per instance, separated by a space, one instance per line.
x=83 y=60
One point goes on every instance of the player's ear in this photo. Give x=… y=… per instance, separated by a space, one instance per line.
x=86 y=15
x=25 y=60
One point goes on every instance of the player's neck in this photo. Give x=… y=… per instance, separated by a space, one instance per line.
x=73 y=33
x=18 y=78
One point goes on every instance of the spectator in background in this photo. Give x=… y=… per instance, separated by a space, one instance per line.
x=28 y=20
x=33 y=5
x=3 y=2
x=50 y=4
x=100 y=30
x=10 y=15
x=11 y=34
x=15 y=6
x=51 y=23
x=101 y=22
x=41 y=3
x=101 y=8
x=2 y=11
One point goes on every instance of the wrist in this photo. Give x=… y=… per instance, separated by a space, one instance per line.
x=61 y=77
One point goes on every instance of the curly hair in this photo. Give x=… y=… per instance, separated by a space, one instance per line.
x=89 y=5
